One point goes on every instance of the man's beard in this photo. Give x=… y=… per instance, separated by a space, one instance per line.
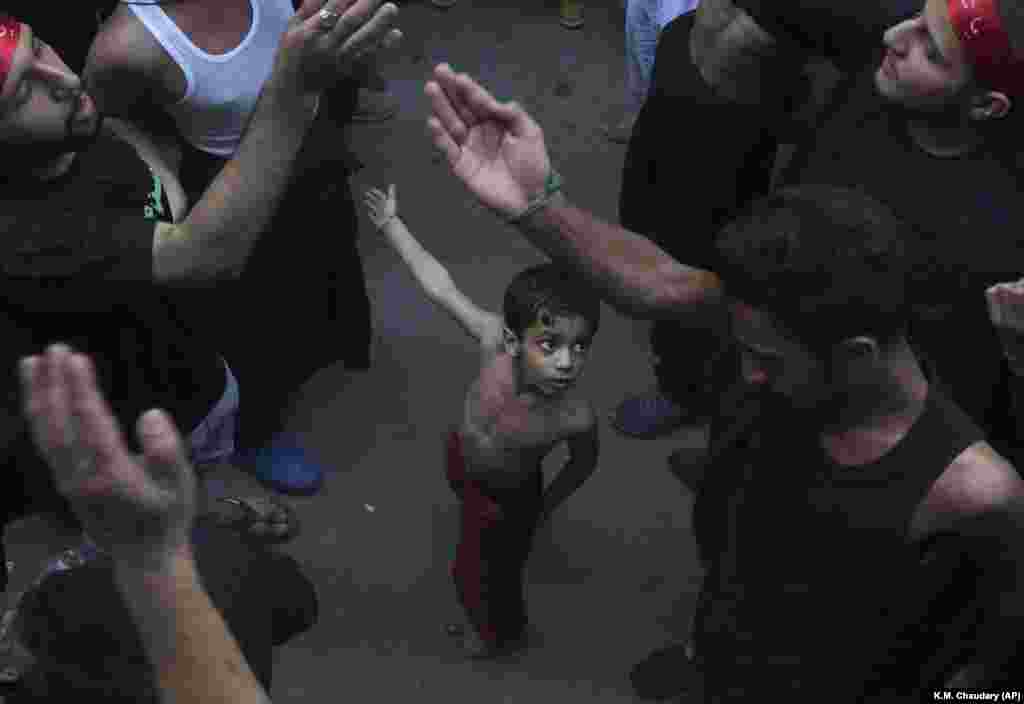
x=23 y=159
x=941 y=117
x=850 y=401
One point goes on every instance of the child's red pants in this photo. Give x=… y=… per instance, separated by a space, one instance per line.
x=496 y=534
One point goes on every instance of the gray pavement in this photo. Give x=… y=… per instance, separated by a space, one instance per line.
x=615 y=575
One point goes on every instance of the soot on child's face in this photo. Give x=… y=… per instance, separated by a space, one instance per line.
x=554 y=352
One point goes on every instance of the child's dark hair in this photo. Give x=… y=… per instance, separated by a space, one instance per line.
x=555 y=289
x=830 y=263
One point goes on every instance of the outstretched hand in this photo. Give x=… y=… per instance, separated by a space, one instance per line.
x=1006 y=309
x=497 y=149
x=138 y=508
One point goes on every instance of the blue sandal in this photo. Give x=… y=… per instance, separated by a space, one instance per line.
x=649 y=416
x=284 y=467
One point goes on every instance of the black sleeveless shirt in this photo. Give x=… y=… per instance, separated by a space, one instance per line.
x=815 y=584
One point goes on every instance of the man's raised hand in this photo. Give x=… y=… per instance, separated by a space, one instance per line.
x=140 y=509
x=497 y=149
x=1006 y=309
x=325 y=40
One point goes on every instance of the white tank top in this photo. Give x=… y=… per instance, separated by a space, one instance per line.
x=222 y=90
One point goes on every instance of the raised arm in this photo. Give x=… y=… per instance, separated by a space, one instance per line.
x=140 y=510
x=498 y=151
x=430 y=274
x=216 y=237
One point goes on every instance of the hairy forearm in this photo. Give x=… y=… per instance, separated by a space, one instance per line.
x=238 y=205
x=630 y=272
x=432 y=276
x=195 y=657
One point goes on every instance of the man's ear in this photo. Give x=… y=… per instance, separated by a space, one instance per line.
x=990 y=105
x=862 y=347
x=511 y=342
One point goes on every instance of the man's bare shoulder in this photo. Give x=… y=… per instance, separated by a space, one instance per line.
x=978 y=480
x=125 y=46
x=985 y=479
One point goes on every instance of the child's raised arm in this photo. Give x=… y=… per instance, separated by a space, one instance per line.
x=432 y=276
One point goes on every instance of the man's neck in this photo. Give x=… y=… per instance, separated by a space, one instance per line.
x=944 y=141
x=871 y=437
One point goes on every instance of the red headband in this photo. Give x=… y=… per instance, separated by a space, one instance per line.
x=987 y=45
x=10 y=31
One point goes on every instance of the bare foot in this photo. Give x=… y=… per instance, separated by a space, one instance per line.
x=475 y=647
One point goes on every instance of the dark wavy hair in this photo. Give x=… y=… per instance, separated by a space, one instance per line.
x=554 y=289
x=829 y=263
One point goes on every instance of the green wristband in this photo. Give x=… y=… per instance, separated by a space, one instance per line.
x=552 y=185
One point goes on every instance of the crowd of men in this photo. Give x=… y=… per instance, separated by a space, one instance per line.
x=855 y=330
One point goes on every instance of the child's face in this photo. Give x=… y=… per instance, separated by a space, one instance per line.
x=553 y=352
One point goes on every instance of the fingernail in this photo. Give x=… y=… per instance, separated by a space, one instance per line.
x=152 y=423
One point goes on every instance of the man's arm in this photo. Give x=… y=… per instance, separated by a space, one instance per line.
x=437 y=284
x=584 y=448
x=498 y=151
x=637 y=278
x=217 y=236
x=195 y=657
x=140 y=510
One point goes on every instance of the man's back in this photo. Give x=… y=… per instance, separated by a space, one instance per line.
x=814 y=552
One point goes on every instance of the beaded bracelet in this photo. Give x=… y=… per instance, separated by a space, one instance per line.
x=552 y=185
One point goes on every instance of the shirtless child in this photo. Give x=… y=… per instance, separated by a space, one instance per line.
x=515 y=413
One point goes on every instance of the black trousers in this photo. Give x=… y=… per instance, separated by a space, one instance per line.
x=301 y=303
x=694 y=158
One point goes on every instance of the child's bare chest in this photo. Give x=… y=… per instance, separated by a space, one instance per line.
x=507 y=439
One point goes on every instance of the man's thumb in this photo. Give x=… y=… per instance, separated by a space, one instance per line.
x=159 y=438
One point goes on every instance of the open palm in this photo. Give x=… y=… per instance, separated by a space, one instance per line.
x=138 y=507
x=496 y=149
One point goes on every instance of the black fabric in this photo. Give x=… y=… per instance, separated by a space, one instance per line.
x=813 y=550
x=969 y=220
x=77 y=268
x=262 y=594
x=305 y=271
x=847 y=33
x=679 y=186
x=70 y=30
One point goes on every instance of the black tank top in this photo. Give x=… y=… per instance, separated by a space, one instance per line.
x=816 y=576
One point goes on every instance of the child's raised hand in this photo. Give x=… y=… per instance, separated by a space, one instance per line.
x=382 y=208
